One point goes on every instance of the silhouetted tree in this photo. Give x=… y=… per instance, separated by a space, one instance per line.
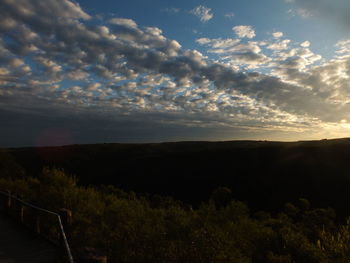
x=221 y=196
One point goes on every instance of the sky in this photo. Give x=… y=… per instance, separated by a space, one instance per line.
x=88 y=71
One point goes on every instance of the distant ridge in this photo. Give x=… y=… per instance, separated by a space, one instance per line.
x=232 y=142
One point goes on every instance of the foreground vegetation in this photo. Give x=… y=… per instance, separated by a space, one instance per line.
x=132 y=228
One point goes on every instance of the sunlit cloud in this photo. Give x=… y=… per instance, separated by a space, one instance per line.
x=305 y=44
x=203 y=13
x=277 y=34
x=244 y=31
x=123 y=22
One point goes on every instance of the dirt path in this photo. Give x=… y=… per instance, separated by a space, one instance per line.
x=17 y=245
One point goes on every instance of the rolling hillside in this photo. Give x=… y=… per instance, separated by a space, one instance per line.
x=264 y=174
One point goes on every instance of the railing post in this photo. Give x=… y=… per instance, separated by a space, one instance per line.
x=37 y=223
x=21 y=214
x=9 y=202
x=66 y=218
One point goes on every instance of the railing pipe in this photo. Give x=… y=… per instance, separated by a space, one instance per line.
x=9 y=201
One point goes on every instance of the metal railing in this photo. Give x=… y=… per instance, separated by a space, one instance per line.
x=42 y=220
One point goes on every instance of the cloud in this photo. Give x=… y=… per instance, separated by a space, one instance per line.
x=235 y=52
x=24 y=11
x=171 y=10
x=229 y=15
x=305 y=13
x=244 y=31
x=336 y=10
x=202 y=12
x=281 y=45
x=277 y=34
x=297 y=88
x=305 y=44
x=123 y=22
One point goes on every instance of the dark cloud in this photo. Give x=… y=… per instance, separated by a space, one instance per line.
x=58 y=127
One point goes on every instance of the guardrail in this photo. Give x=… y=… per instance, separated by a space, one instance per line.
x=45 y=223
